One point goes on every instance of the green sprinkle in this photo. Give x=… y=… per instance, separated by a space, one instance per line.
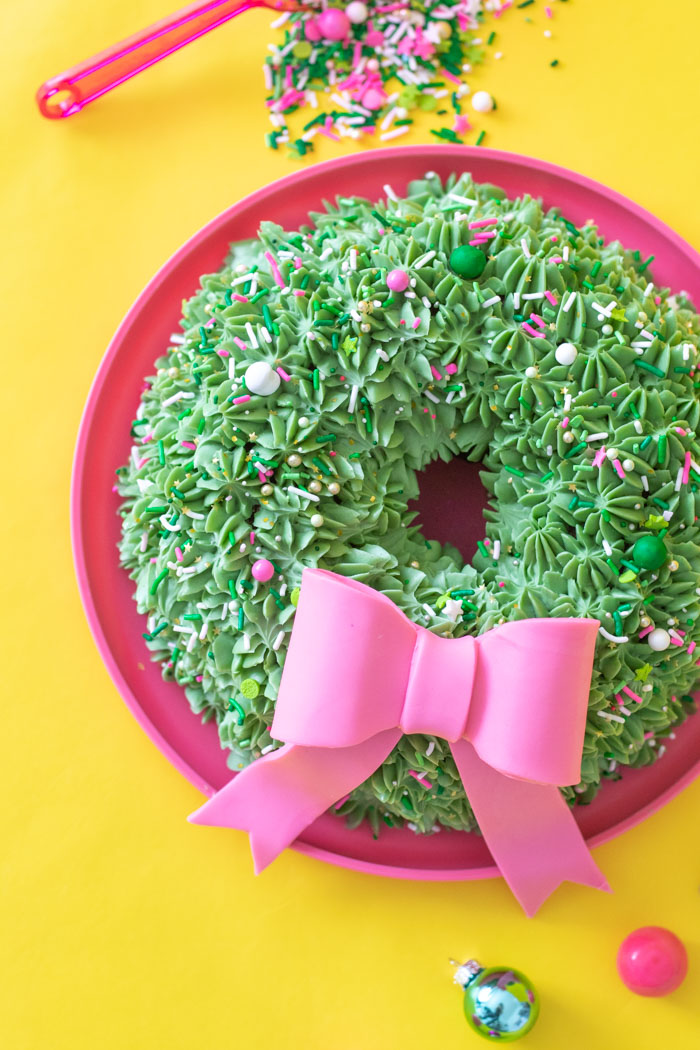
x=613 y=566
x=156 y=510
x=661 y=449
x=525 y=404
x=555 y=62
x=650 y=368
x=480 y=139
x=574 y=450
x=326 y=437
x=513 y=470
x=482 y=549
x=321 y=466
x=260 y=294
x=161 y=453
x=159 y=628
x=192 y=616
x=547 y=476
x=316 y=375
x=234 y=705
x=158 y=580
x=241 y=618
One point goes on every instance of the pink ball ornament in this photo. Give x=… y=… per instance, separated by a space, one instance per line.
x=373 y=98
x=311 y=31
x=652 y=961
x=397 y=280
x=263 y=570
x=333 y=23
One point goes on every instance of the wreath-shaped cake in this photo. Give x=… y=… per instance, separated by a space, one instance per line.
x=322 y=369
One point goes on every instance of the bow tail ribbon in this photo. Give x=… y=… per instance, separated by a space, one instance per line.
x=528 y=828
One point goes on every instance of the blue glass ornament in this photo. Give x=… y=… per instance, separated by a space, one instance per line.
x=499 y=1003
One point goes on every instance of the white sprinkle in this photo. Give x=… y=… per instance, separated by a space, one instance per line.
x=300 y=492
x=144 y=541
x=675 y=634
x=611 y=718
x=267 y=750
x=353 y=399
x=429 y=611
x=384 y=125
x=203 y=632
x=533 y=295
x=193 y=514
x=176 y=397
x=660 y=752
x=679 y=480
x=166 y=524
x=144 y=484
x=423 y=259
x=667 y=515
x=491 y=302
x=278 y=641
x=177 y=339
x=356 y=316
x=638 y=426
x=565 y=254
x=394 y=133
x=569 y=302
x=353 y=258
x=607 y=548
x=390 y=193
x=429 y=749
x=567 y=402
x=431 y=397
x=192 y=642
x=645 y=482
x=624 y=710
x=649 y=289
x=183 y=630
x=266 y=335
x=516 y=300
x=612 y=637
x=383 y=354
x=526 y=250
x=600 y=436
x=251 y=335
x=496 y=552
x=467 y=201
x=246 y=642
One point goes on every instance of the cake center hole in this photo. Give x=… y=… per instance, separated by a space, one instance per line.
x=451 y=504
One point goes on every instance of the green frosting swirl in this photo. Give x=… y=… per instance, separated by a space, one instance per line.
x=377 y=384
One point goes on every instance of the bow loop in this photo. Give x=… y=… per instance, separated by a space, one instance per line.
x=439 y=686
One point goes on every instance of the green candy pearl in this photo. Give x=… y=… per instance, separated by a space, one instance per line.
x=649 y=552
x=467 y=261
x=501 y=1004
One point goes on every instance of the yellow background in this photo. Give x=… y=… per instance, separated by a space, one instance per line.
x=122 y=925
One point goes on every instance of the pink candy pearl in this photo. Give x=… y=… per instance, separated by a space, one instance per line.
x=311 y=31
x=652 y=961
x=397 y=280
x=334 y=24
x=373 y=98
x=263 y=570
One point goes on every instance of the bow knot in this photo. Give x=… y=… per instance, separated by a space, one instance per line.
x=358 y=674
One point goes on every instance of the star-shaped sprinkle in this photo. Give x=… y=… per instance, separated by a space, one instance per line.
x=349 y=344
x=643 y=672
x=453 y=609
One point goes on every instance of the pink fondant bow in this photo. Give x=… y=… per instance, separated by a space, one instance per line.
x=358 y=674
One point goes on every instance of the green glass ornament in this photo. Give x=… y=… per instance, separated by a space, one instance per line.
x=499 y=1002
x=467 y=261
x=649 y=552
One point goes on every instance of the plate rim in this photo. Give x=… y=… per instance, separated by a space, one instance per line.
x=461 y=155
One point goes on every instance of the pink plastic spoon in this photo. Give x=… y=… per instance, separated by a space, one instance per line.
x=68 y=92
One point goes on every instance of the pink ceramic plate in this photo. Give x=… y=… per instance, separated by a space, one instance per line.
x=103 y=445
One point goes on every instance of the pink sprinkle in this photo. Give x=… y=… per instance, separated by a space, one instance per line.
x=451 y=76
x=299 y=292
x=275 y=270
x=554 y=238
x=564 y=422
x=297 y=263
x=501 y=584
x=691 y=648
x=199 y=678
x=241 y=399
x=626 y=689
x=115 y=488
x=146 y=438
x=142 y=462
x=152 y=560
x=502 y=8
x=240 y=298
x=283 y=375
x=478 y=240
x=648 y=736
x=618 y=698
x=252 y=537
x=223 y=353
x=618 y=467
x=419 y=778
x=403 y=322
x=538 y=320
x=341 y=801
x=599 y=457
x=451 y=369
x=533 y=331
x=686 y=468
x=646 y=631
x=478 y=223
x=416 y=323
x=681 y=431
x=657 y=300
x=189 y=444
x=178 y=553
x=552 y=298
x=261 y=475
x=614 y=393
x=548 y=12
x=329 y=134
x=239 y=343
x=676 y=641
x=557 y=259
x=436 y=374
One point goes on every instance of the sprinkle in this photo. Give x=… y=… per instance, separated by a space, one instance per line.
x=611 y=637
x=626 y=689
x=303 y=493
x=278 y=641
x=420 y=779
x=238 y=401
x=353 y=399
x=283 y=375
x=526 y=250
x=618 y=467
x=610 y=717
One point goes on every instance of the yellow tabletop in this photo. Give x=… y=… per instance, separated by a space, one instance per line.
x=122 y=925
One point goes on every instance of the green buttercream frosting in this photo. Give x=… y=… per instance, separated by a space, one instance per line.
x=580 y=460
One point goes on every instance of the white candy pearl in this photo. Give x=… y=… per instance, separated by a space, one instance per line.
x=531 y=372
x=612 y=453
x=294 y=460
x=334 y=488
x=607 y=329
x=303 y=421
x=267 y=490
x=373 y=64
x=628 y=464
x=659 y=639
x=317 y=522
x=673 y=566
x=568 y=437
x=315 y=486
x=482 y=102
x=261 y=378
x=566 y=353
x=357 y=12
